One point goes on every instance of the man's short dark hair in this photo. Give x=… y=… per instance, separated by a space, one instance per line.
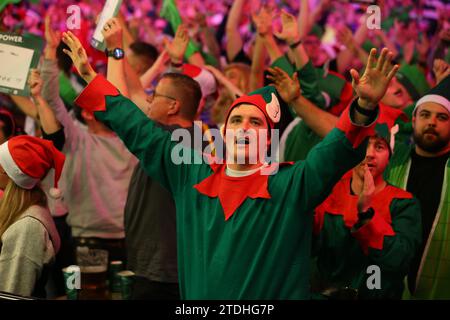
x=145 y=50
x=189 y=93
x=7 y=123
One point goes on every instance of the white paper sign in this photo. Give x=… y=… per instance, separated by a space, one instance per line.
x=18 y=53
x=16 y=62
x=110 y=10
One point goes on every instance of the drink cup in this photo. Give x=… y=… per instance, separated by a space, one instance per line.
x=126 y=281
x=72 y=281
x=93 y=265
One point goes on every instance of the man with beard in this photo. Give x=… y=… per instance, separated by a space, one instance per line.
x=424 y=170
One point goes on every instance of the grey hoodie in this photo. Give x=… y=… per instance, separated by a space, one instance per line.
x=27 y=246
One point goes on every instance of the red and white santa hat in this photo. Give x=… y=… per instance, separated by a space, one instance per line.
x=27 y=160
x=204 y=78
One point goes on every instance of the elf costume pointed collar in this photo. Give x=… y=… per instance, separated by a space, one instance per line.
x=233 y=191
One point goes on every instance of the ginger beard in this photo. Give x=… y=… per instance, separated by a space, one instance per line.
x=432 y=127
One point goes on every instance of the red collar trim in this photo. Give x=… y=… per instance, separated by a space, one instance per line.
x=233 y=191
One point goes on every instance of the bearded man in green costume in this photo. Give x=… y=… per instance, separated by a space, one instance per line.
x=424 y=170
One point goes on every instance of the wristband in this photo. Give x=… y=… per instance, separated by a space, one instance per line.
x=176 y=65
x=368 y=214
x=295 y=44
x=365 y=112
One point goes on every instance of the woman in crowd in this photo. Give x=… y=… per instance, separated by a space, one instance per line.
x=28 y=237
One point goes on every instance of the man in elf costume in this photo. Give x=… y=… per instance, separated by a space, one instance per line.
x=424 y=170
x=366 y=222
x=242 y=233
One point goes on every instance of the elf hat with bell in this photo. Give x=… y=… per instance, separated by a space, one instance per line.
x=27 y=160
x=265 y=99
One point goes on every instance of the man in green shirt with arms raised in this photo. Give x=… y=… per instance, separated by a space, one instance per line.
x=244 y=227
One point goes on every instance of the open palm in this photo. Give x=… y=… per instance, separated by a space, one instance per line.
x=288 y=88
x=177 y=47
x=372 y=85
x=77 y=54
x=52 y=38
x=289 y=28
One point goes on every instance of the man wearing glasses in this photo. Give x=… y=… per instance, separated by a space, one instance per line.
x=150 y=215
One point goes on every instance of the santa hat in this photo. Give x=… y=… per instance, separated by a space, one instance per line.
x=439 y=94
x=265 y=99
x=27 y=160
x=204 y=78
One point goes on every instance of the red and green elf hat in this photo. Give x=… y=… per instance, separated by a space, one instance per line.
x=265 y=99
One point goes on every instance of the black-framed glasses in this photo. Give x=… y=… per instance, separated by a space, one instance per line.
x=153 y=95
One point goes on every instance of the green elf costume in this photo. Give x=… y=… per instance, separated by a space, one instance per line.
x=432 y=280
x=344 y=248
x=238 y=237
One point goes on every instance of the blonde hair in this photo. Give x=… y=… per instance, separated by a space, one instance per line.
x=244 y=70
x=15 y=201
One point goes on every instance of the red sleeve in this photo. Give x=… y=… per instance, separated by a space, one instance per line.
x=355 y=133
x=92 y=98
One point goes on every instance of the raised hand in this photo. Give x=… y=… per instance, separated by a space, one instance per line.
x=372 y=85
x=444 y=34
x=177 y=47
x=345 y=36
x=288 y=88
x=423 y=46
x=161 y=61
x=35 y=83
x=52 y=38
x=365 y=197
x=441 y=69
x=113 y=34
x=78 y=55
x=289 y=28
x=263 y=21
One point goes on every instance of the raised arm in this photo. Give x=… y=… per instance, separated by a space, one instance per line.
x=370 y=88
x=26 y=105
x=135 y=85
x=113 y=34
x=345 y=57
x=208 y=36
x=234 y=40
x=155 y=70
x=344 y=146
x=46 y=116
x=291 y=35
x=151 y=144
x=220 y=77
x=264 y=43
x=320 y=121
x=50 y=88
